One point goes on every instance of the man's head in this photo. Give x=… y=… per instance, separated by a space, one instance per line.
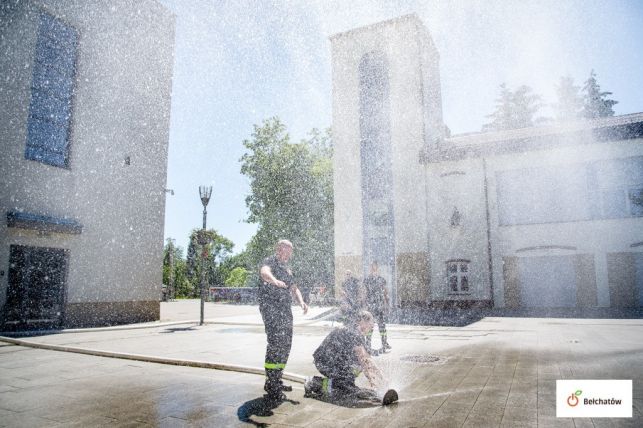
x=283 y=250
x=374 y=268
x=365 y=322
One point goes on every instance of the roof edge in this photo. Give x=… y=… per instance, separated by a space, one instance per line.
x=545 y=130
x=409 y=17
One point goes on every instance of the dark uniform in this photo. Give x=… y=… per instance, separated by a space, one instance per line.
x=335 y=358
x=376 y=302
x=351 y=291
x=275 y=307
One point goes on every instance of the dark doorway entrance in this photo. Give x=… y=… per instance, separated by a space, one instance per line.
x=36 y=293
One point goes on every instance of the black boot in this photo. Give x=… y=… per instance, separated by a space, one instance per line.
x=314 y=387
x=283 y=387
x=385 y=345
x=273 y=386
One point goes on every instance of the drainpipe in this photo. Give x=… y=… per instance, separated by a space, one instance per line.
x=486 y=201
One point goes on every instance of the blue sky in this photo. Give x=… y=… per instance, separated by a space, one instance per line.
x=240 y=62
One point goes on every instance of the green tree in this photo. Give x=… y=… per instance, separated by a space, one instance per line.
x=237 y=277
x=596 y=102
x=217 y=250
x=570 y=101
x=291 y=198
x=175 y=270
x=240 y=260
x=514 y=109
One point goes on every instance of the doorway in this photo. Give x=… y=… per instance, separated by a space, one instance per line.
x=36 y=293
x=548 y=281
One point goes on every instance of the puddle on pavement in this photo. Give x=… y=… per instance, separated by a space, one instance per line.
x=423 y=359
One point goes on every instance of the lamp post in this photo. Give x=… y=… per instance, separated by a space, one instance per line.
x=204 y=193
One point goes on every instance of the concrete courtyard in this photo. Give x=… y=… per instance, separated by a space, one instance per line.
x=493 y=372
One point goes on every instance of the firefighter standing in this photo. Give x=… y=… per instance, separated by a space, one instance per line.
x=351 y=297
x=377 y=303
x=275 y=289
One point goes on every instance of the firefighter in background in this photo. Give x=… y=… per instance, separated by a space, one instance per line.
x=275 y=290
x=352 y=298
x=378 y=304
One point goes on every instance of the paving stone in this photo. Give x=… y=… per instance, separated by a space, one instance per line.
x=518 y=423
x=523 y=400
x=497 y=372
x=479 y=420
x=488 y=408
x=7 y=388
x=324 y=423
x=369 y=421
x=302 y=417
x=617 y=422
x=546 y=410
x=24 y=420
x=440 y=420
x=520 y=414
x=83 y=421
x=581 y=422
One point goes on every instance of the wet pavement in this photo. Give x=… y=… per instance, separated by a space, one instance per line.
x=492 y=372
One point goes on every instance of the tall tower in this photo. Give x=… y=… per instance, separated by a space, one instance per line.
x=386 y=109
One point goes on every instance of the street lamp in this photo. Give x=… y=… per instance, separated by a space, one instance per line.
x=204 y=193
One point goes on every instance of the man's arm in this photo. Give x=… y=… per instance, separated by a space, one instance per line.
x=295 y=291
x=342 y=291
x=385 y=293
x=267 y=276
x=371 y=371
x=361 y=293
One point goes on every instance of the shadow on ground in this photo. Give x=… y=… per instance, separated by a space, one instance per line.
x=177 y=329
x=453 y=317
x=259 y=407
x=461 y=317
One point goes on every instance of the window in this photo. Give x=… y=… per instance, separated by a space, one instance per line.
x=543 y=195
x=635 y=199
x=458 y=276
x=375 y=157
x=52 y=88
x=605 y=189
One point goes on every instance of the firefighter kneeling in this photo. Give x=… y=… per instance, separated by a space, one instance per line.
x=341 y=357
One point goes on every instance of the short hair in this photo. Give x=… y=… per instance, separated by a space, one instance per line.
x=283 y=243
x=365 y=315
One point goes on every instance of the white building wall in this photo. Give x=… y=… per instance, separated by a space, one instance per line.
x=458 y=187
x=121 y=111
x=595 y=237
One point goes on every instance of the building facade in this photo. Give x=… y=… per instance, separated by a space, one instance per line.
x=550 y=216
x=85 y=99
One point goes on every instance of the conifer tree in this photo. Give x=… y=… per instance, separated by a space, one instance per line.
x=570 y=101
x=596 y=103
x=514 y=109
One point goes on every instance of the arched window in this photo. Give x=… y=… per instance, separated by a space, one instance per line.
x=375 y=157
